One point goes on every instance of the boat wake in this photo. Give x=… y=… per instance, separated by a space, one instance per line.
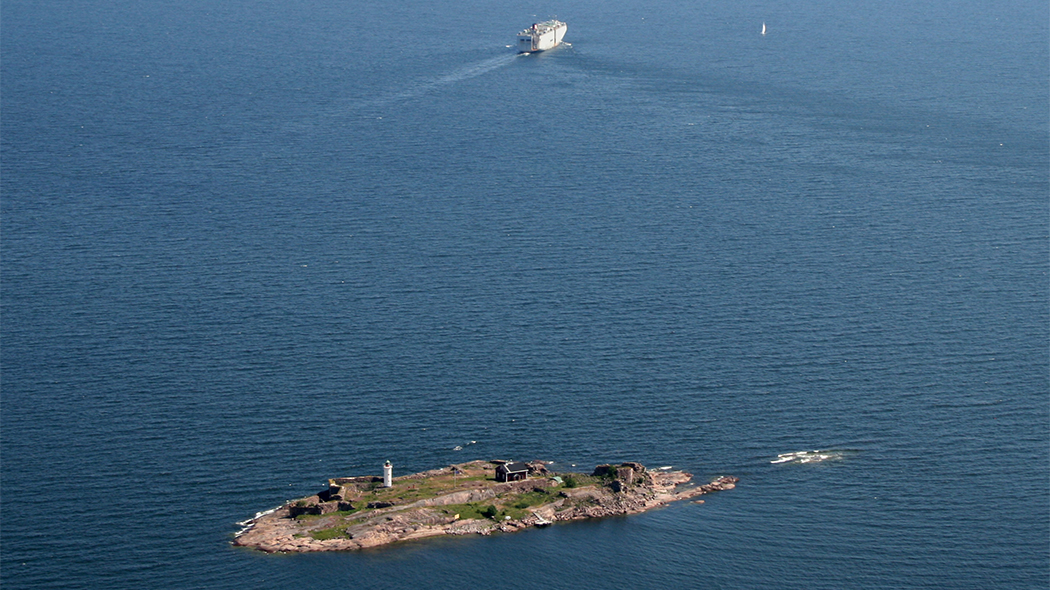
x=816 y=456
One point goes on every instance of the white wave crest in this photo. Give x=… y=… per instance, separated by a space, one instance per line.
x=466 y=444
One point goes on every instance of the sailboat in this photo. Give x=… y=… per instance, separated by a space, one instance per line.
x=763 y=28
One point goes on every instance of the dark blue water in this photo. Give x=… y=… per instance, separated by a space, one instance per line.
x=250 y=246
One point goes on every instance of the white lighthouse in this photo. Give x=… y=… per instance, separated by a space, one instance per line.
x=388 y=475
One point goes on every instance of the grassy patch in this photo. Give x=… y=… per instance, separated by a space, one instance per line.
x=534 y=498
x=578 y=480
x=332 y=533
x=338 y=513
x=411 y=490
x=515 y=506
x=514 y=513
x=472 y=510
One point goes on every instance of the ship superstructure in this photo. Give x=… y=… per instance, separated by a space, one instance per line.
x=541 y=36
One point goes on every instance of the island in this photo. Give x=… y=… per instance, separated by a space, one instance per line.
x=478 y=497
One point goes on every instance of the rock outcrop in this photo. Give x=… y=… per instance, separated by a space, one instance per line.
x=334 y=520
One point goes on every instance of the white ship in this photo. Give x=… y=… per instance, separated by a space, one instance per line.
x=541 y=36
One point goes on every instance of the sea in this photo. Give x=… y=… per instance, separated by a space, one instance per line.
x=246 y=246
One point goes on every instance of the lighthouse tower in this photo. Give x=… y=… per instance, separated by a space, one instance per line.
x=388 y=475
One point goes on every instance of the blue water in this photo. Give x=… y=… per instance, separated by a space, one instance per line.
x=250 y=246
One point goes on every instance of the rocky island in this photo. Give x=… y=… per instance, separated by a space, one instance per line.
x=478 y=497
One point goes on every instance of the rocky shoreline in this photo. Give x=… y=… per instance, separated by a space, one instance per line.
x=358 y=513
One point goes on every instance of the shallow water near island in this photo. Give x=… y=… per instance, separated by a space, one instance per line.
x=246 y=248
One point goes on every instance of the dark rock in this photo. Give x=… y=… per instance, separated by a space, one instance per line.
x=298 y=509
x=339 y=492
x=638 y=467
x=613 y=470
x=538 y=468
x=311 y=506
x=625 y=474
x=380 y=504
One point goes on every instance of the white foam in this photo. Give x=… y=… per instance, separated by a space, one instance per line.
x=259 y=515
x=814 y=456
x=246 y=525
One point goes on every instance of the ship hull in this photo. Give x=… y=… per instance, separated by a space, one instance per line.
x=541 y=36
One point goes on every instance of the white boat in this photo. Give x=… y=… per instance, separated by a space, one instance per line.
x=541 y=36
x=763 y=28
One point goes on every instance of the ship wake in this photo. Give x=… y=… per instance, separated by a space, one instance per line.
x=473 y=70
x=464 y=73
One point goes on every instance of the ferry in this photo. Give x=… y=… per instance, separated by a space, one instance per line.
x=541 y=36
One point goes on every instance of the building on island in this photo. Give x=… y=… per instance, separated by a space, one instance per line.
x=516 y=471
x=388 y=475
